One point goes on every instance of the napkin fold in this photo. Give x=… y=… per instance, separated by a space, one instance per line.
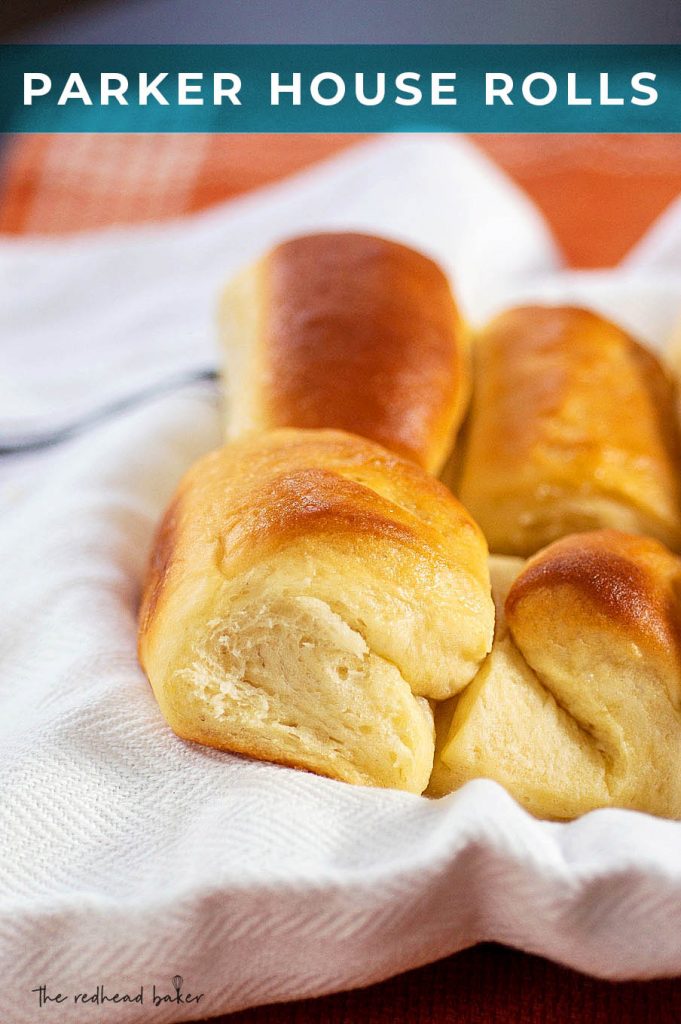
x=130 y=859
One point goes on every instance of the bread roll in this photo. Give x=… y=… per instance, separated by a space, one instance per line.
x=572 y=428
x=577 y=706
x=308 y=593
x=672 y=361
x=350 y=332
x=672 y=354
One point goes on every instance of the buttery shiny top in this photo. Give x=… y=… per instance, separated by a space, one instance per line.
x=349 y=331
x=571 y=420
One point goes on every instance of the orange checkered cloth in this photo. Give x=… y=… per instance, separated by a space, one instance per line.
x=58 y=184
x=616 y=186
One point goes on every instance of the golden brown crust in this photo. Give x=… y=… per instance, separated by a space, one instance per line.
x=315 y=501
x=630 y=582
x=572 y=428
x=163 y=547
x=263 y=493
x=356 y=333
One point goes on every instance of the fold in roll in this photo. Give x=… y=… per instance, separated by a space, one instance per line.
x=309 y=592
x=347 y=331
x=572 y=428
x=578 y=705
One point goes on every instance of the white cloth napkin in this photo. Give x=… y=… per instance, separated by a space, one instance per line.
x=128 y=857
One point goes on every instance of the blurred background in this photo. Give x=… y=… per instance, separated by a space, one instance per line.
x=599 y=193
x=343 y=21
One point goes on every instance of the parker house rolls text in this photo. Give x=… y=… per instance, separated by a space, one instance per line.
x=328 y=88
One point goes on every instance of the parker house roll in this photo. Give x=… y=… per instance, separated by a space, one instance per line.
x=572 y=428
x=308 y=594
x=351 y=332
x=578 y=705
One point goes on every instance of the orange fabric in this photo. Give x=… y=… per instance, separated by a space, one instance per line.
x=598 y=192
x=56 y=184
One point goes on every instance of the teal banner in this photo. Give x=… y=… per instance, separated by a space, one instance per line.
x=222 y=89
